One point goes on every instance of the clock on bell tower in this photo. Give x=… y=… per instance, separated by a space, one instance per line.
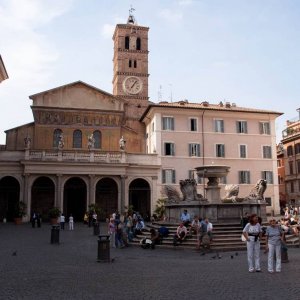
x=130 y=74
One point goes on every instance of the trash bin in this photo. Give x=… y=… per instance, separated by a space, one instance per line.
x=103 y=248
x=55 y=234
x=96 y=228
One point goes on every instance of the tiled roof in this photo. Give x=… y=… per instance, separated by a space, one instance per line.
x=208 y=106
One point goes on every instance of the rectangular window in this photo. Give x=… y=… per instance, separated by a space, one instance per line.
x=291 y=167
x=292 y=187
x=168 y=176
x=223 y=180
x=169 y=149
x=243 y=151
x=191 y=174
x=268 y=201
x=219 y=125
x=267 y=152
x=298 y=166
x=241 y=127
x=194 y=149
x=168 y=123
x=278 y=163
x=267 y=175
x=264 y=128
x=193 y=124
x=244 y=177
x=220 y=150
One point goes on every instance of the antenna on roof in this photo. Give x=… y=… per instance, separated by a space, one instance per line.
x=159 y=94
x=171 y=94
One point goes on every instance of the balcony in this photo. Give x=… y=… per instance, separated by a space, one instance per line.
x=120 y=157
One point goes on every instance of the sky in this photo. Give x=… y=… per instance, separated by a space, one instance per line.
x=241 y=51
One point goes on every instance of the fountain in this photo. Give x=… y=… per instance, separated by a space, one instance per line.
x=211 y=205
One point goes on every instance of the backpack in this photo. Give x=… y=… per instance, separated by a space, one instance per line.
x=163 y=231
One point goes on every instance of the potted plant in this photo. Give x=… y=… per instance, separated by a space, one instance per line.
x=20 y=212
x=53 y=214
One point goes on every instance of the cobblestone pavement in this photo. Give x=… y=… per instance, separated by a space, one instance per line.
x=41 y=270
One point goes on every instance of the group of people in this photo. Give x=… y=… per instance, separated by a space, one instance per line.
x=35 y=219
x=123 y=228
x=275 y=239
x=201 y=227
x=62 y=221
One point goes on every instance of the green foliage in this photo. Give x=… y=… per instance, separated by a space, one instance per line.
x=54 y=212
x=20 y=209
x=129 y=209
x=160 y=208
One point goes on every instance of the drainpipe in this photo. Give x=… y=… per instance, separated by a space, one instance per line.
x=202 y=123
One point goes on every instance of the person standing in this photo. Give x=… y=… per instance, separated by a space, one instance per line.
x=62 y=222
x=71 y=222
x=274 y=239
x=252 y=233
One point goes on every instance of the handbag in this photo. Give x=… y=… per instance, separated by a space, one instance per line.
x=243 y=238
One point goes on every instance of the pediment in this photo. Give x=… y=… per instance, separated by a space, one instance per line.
x=77 y=95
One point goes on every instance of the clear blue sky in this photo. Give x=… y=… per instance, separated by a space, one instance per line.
x=239 y=51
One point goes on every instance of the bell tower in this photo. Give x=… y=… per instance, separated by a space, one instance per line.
x=130 y=73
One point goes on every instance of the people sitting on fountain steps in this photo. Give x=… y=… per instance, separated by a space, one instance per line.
x=180 y=234
x=195 y=226
x=155 y=238
x=185 y=218
x=205 y=236
x=140 y=225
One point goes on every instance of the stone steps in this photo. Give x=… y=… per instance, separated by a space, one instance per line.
x=226 y=237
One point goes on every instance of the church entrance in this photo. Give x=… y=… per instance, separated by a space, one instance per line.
x=42 y=196
x=9 y=196
x=107 y=197
x=139 y=197
x=75 y=199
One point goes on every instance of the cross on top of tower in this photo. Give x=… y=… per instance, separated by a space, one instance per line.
x=131 y=18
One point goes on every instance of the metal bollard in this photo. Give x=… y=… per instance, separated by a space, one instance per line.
x=103 y=248
x=55 y=234
x=96 y=229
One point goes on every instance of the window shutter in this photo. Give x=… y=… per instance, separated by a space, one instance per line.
x=173 y=176
x=246 y=127
x=198 y=150
x=163 y=176
x=190 y=149
x=223 y=150
x=261 y=128
x=238 y=127
x=172 y=123
x=222 y=125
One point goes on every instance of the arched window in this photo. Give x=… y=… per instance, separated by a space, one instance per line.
x=97 y=137
x=56 y=135
x=126 y=42
x=130 y=63
x=134 y=64
x=297 y=150
x=138 y=44
x=77 y=139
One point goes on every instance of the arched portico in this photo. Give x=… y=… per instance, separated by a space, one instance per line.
x=107 y=196
x=42 y=196
x=140 y=196
x=9 y=196
x=75 y=197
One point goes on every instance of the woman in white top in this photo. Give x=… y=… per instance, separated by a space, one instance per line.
x=252 y=233
x=71 y=222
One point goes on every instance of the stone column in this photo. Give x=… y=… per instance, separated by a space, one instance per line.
x=27 y=195
x=58 y=202
x=91 y=199
x=122 y=204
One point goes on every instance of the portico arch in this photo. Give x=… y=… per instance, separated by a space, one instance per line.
x=140 y=196
x=107 y=196
x=42 y=196
x=9 y=196
x=75 y=197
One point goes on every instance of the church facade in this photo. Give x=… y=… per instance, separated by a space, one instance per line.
x=87 y=146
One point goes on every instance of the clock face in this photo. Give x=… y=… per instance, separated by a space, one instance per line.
x=132 y=85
